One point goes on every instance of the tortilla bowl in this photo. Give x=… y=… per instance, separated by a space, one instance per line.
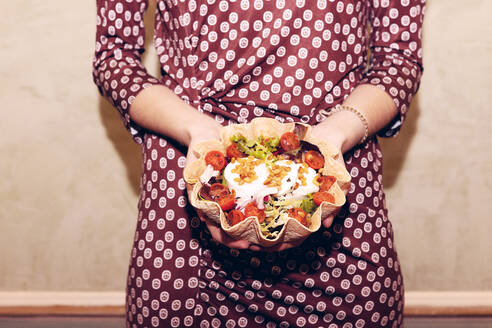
x=249 y=229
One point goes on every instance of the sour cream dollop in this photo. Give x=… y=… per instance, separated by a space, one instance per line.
x=243 y=188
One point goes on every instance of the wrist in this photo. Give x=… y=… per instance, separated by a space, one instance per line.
x=201 y=127
x=160 y=110
x=343 y=129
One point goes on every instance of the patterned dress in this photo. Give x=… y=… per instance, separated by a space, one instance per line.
x=236 y=60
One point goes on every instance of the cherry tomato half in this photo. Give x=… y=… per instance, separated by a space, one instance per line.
x=226 y=202
x=299 y=214
x=235 y=216
x=314 y=159
x=325 y=182
x=218 y=190
x=252 y=210
x=289 y=141
x=233 y=152
x=216 y=159
x=323 y=196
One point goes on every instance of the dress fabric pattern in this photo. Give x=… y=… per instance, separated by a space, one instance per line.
x=236 y=60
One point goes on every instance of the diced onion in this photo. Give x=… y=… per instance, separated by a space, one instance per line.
x=241 y=202
x=208 y=174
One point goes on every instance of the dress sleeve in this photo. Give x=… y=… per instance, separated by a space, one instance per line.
x=396 y=53
x=117 y=68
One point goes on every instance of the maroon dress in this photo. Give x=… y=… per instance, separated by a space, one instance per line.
x=236 y=60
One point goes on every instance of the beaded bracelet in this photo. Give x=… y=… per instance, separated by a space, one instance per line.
x=361 y=116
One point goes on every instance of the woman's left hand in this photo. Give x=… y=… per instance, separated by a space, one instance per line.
x=330 y=136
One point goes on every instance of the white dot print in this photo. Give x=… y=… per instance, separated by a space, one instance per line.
x=233 y=61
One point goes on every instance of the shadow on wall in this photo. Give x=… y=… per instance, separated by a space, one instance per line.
x=395 y=150
x=128 y=151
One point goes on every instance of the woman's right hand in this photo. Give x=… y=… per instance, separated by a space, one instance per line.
x=209 y=130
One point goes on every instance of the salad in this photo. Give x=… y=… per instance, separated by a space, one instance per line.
x=272 y=179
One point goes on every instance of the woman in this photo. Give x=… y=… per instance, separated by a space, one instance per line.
x=230 y=61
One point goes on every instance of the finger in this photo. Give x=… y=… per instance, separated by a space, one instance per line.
x=284 y=246
x=341 y=160
x=255 y=248
x=202 y=216
x=277 y=248
x=191 y=156
x=329 y=220
x=239 y=244
x=281 y=247
x=221 y=237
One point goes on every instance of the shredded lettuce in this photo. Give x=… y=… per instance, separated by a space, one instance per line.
x=259 y=148
x=287 y=202
x=271 y=228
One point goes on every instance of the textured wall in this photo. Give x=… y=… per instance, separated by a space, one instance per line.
x=70 y=172
x=438 y=172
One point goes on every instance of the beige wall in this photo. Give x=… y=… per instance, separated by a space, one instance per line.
x=70 y=172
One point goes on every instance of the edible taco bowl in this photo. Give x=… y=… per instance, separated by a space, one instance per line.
x=250 y=229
